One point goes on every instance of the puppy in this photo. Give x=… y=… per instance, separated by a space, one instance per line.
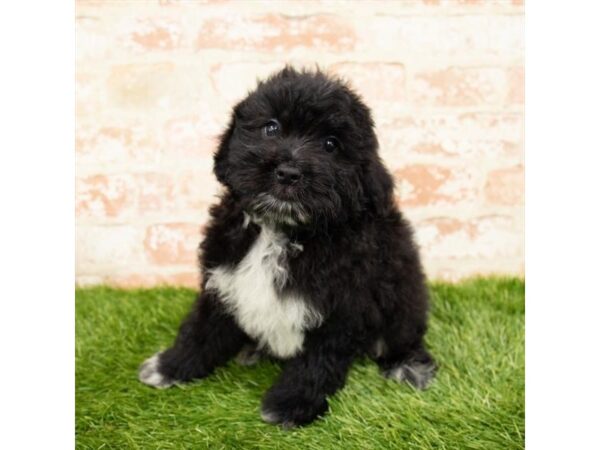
x=306 y=257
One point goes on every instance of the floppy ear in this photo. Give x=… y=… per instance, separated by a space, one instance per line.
x=221 y=155
x=378 y=186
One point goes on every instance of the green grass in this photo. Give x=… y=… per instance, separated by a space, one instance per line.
x=476 y=402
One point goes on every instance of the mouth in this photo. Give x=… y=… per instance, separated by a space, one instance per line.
x=269 y=208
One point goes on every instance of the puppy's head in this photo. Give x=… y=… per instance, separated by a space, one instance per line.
x=300 y=150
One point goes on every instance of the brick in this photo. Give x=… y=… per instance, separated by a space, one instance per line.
x=460 y=36
x=110 y=144
x=156 y=34
x=459 y=86
x=197 y=190
x=505 y=186
x=187 y=279
x=93 y=38
x=156 y=192
x=276 y=33
x=516 y=86
x=429 y=184
x=88 y=93
x=88 y=280
x=470 y=136
x=102 y=248
x=487 y=237
x=105 y=37
x=233 y=81
x=451 y=271
x=159 y=88
x=376 y=82
x=185 y=2
x=191 y=137
x=103 y=196
x=140 y=85
x=172 y=243
x=451 y=3
x=188 y=191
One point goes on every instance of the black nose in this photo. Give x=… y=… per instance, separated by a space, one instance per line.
x=287 y=174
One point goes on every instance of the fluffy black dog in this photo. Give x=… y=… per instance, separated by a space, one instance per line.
x=306 y=258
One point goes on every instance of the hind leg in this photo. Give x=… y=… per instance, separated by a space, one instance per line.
x=403 y=360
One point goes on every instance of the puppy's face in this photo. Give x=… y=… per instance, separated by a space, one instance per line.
x=300 y=150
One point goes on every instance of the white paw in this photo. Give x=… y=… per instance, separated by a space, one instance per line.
x=397 y=374
x=268 y=416
x=150 y=375
x=417 y=374
x=248 y=356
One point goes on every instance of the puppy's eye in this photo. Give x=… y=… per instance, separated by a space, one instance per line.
x=331 y=144
x=272 y=128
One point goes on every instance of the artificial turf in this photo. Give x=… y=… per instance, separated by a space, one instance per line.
x=476 y=402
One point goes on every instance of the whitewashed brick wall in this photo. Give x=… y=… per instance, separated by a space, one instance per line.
x=156 y=80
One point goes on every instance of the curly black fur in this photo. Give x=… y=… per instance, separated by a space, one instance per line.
x=300 y=165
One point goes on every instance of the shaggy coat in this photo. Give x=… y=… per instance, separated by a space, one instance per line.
x=306 y=258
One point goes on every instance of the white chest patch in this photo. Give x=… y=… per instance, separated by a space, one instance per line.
x=251 y=291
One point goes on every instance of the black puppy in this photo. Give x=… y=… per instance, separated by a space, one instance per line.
x=306 y=257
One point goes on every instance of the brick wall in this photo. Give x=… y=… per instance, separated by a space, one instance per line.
x=156 y=79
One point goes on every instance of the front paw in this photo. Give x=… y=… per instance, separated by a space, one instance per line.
x=291 y=409
x=149 y=373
